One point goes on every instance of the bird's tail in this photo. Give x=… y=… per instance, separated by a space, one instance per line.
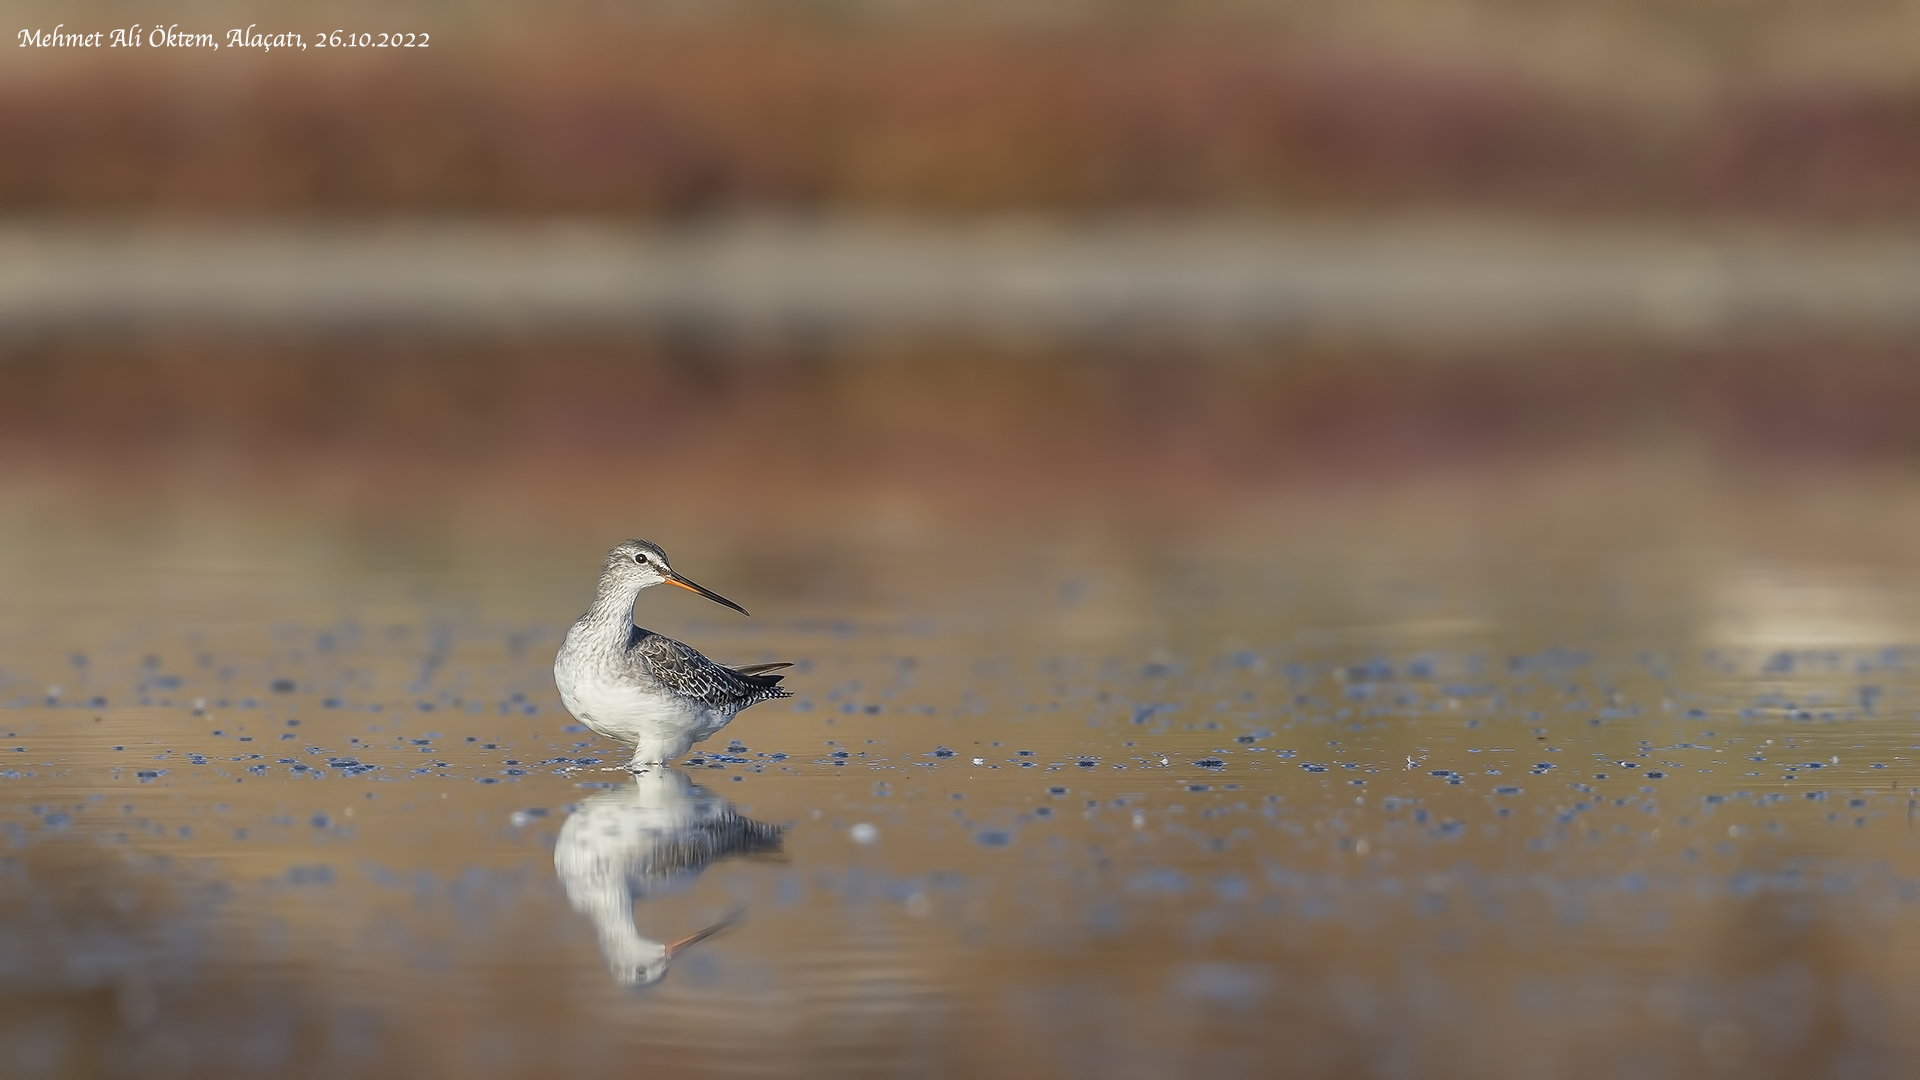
x=769 y=684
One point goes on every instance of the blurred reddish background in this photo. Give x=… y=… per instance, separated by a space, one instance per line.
x=1690 y=108
x=1661 y=117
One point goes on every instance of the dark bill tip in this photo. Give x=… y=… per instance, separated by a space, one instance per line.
x=676 y=579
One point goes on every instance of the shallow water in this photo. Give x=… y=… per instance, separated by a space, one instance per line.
x=1412 y=786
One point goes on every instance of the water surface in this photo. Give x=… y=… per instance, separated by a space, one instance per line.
x=1415 y=785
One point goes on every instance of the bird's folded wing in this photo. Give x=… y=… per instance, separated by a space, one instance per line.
x=681 y=669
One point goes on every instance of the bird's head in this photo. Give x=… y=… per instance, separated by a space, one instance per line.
x=640 y=564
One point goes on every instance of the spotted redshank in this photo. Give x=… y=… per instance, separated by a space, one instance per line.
x=646 y=689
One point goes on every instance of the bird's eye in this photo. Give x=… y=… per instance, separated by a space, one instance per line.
x=641 y=559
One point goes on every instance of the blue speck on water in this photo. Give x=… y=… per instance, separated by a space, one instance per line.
x=1144 y=713
x=993 y=838
x=1211 y=763
x=145 y=775
x=319 y=821
x=320 y=874
x=1056 y=791
x=1508 y=790
x=940 y=752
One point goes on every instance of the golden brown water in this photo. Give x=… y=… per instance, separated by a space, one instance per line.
x=1461 y=625
x=1590 y=769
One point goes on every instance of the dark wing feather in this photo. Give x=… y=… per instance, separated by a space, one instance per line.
x=683 y=670
x=760 y=669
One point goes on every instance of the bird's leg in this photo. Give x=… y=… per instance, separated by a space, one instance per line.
x=647 y=757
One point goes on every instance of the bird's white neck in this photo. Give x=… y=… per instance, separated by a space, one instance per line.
x=613 y=607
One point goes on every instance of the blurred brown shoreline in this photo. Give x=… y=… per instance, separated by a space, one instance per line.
x=407 y=422
x=1604 y=170
x=1153 y=112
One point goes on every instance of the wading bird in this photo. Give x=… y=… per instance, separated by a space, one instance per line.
x=646 y=689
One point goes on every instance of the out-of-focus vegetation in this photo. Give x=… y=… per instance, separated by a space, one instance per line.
x=1767 y=108
x=961 y=430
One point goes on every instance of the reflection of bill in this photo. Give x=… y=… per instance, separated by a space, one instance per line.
x=622 y=846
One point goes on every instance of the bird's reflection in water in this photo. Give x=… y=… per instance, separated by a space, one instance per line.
x=621 y=847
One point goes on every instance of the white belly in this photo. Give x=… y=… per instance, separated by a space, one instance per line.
x=660 y=725
x=629 y=714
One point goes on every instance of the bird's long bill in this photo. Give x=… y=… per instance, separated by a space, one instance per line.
x=674 y=578
x=676 y=948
